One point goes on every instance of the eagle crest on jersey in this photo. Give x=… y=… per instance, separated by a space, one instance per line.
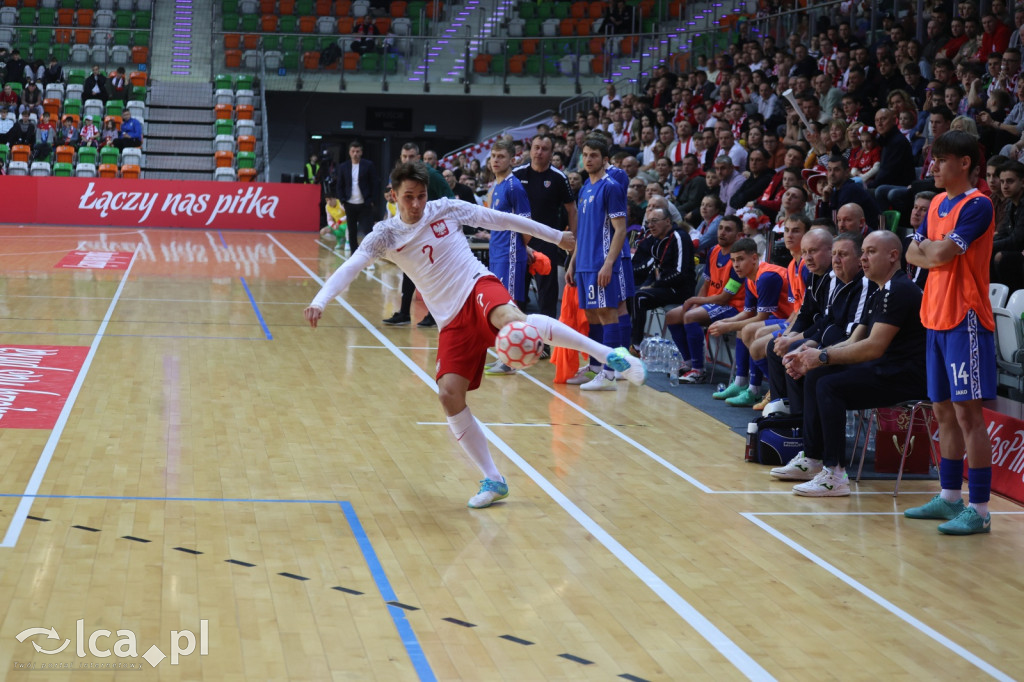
x=440 y=228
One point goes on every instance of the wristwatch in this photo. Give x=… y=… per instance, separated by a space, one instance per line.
x=823 y=356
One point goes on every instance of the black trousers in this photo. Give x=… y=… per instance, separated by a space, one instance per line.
x=645 y=300
x=782 y=385
x=548 y=285
x=360 y=222
x=832 y=390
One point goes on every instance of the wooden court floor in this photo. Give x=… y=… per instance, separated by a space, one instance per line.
x=255 y=500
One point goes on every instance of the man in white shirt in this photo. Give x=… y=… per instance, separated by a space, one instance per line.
x=6 y=123
x=730 y=179
x=470 y=305
x=684 y=143
x=727 y=145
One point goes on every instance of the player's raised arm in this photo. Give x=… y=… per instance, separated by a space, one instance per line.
x=481 y=216
x=337 y=283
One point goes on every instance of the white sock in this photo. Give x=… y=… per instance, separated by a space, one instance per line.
x=560 y=334
x=467 y=431
x=951 y=495
x=838 y=471
x=981 y=508
x=756 y=390
x=741 y=381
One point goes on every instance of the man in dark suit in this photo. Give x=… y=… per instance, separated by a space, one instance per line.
x=359 y=189
x=96 y=85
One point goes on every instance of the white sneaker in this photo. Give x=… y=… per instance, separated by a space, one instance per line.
x=825 y=484
x=602 y=382
x=581 y=377
x=800 y=468
x=632 y=367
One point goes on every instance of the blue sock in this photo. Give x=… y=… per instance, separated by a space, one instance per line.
x=951 y=474
x=596 y=333
x=625 y=330
x=611 y=338
x=679 y=336
x=758 y=370
x=695 y=339
x=979 y=485
x=742 y=359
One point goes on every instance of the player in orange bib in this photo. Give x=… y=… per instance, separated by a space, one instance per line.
x=954 y=242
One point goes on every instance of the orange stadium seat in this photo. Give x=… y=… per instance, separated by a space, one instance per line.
x=232 y=41
x=65 y=17
x=430 y=9
x=245 y=111
x=115 y=119
x=130 y=171
x=517 y=64
x=246 y=174
x=310 y=61
x=251 y=41
x=343 y=8
x=52 y=107
x=398 y=8
x=62 y=36
x=108 y=170
x=307 y=24
x=140 y=54
x=350 y=62
x=596 y=9
x=567 y=27
x=584 y=27
x=530 y=46
x=578 y=10
x=383 y=25
x=21 y=152
x=65 y=154
x=225 y=159
x=267 y=6
x=84 y=17
x=596 y=45
x=83 y=36
x=626 y=46
x=268 y=23
x=345 y=25
x=233 y=59
x=223 y=111
x=246 y=143
x=137 y=78
x=677 y=9
x=286 y=7
x=324 y=8
x=482 y=63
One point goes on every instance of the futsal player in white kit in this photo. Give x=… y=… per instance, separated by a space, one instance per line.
x=469 y=304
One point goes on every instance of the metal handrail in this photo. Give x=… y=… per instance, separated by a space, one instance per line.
x=264 y=122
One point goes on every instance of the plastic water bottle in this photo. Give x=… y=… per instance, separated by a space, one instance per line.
x=851 y=424
x=675 y=360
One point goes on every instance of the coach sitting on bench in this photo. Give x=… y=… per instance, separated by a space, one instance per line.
x=882 y=363
x=670 y=279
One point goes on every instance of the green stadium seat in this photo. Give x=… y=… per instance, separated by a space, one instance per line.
x=562 y=10
x=287 y=23
x=88 y=155
x=87 y=4
x=123 y=19
x=140 y=38
x=110 y=155
x=290 y=43
x=223 y=81
x=138 y=93
x=27 y=16
x=143 y=19
x=47 y=16
x=77 y=76
x=115 y=107
x=290 y=60
x=527 y=10
x=250 y=23
x=545 y=11
x=73 y=107
x=245 y=82
x=5 y=153
x=229 y=6
x=62 y=170
x=533 y=65
x=271 y=42
x=532 y=28
x=123 y=38
x=370 y=63
x=229 y=22
x=498 y=64
x=391 y=63
x=69 y=4
x=224 y=126
x=246 y=159
x=61 y=52
x=304 y=8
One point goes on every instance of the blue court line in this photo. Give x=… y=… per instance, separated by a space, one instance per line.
x=266 y=332
x=405 y=631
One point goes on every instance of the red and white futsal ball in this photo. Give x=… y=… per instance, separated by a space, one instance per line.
x=519 y=345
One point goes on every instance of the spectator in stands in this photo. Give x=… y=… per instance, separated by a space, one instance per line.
x=358 y=188
x=67 y=134
x=430 y=158
x=23 y=132
x=46 y=138
x=10 y=99
x=15 y=67
x=880 y=364
x=756 y=181
x=54 y=73
x=109 y=134
x=897 y=169
x=461 y=190
x=89 y=135
x=32 y=99
x=6 y=123
x=118 y=87
x=670 y=279
x=842 y=189
x=705 y=235
x=366 y=28
x=4 y=56
x=729 y=181
x=1007 y=261
x=130 y=134
x=727 y=145
x=95 y=85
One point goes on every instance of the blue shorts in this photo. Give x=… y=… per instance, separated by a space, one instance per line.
x=719 y=312
x=961 y=362
x=781 y=324
x=512 y=276
x=592 y=296
x=627 y=271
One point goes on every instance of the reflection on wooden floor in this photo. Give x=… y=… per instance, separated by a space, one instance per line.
x=291 y=505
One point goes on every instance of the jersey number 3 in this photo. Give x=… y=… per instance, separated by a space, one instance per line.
x=429 y=250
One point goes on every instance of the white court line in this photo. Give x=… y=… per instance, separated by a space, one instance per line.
x=21 y=513
x=484 y=423
x=882 y=601
x=860 y=513
x=398 y=347
x=790 y=492
x=718 y=639
x=345 y=258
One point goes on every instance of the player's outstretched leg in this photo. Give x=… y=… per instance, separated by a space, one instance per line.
x=559 y=334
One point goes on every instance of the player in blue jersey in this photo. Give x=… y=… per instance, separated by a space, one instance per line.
x=596 y=265
x=508 y=255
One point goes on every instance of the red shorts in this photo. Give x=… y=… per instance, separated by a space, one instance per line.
x=462 y=344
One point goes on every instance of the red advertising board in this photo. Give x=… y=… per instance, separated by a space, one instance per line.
x=210 y=205
x=96 y=260
x=1007 y=436
x=35 y=382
